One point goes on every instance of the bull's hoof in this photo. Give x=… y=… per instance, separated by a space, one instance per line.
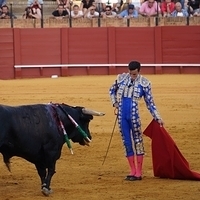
x=46 y=191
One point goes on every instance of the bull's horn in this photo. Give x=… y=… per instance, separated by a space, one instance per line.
x=92 y=112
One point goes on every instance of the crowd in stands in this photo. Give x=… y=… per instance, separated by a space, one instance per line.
x=4 y=11
x=135 y=8
x=108 y=9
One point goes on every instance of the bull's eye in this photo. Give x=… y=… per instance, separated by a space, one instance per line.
x=86 y=117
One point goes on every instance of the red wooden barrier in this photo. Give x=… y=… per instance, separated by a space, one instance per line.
x=97 y=45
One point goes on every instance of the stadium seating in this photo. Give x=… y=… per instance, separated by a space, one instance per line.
x=20 y=5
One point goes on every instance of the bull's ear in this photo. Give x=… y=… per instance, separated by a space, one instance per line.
x=92 y=112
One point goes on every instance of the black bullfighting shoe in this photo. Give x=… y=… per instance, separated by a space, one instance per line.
x=133 y=178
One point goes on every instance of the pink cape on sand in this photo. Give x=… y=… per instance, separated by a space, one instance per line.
x=168 y=162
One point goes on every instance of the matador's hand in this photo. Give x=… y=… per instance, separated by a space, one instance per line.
x=116 y=105
x=161 y=122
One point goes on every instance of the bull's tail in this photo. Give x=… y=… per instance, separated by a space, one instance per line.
x=8 y=166
x=7 y=162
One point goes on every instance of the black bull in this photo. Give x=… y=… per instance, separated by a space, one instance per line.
x=33 y=132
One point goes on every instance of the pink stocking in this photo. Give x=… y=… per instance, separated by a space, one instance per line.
x=131 y=162
x=139 y=165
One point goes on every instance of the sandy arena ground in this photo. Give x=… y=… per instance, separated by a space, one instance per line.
x=81 y=176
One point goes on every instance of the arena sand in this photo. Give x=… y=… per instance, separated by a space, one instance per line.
x=81 y=176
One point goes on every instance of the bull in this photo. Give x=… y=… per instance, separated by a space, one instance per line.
x=36 y=133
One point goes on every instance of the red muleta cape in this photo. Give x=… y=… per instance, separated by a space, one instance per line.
x=168 y=162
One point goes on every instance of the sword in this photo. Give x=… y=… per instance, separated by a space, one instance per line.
x=110 y=138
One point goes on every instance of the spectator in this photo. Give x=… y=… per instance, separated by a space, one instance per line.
x=76 y=12
x=181 y=1
x=120 y=5
x=197 y=11
x=91 y=13
x=150 y=8
x=187 y=7
x=65 y=3
x=179 y=11
x=136 y=3
x=85 y=4
x=109 y=13
x=167 y=7
x=2 y=3
x=60 y=12
x=192 y=6
x=130 y=12
x=5 y=14
x=99 y=5
x=112 y=3
x=36 y=7
x=28 y=14
x=31 y=2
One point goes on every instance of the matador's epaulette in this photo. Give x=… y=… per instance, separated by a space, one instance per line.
x=144 y=81
x=121 y=77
